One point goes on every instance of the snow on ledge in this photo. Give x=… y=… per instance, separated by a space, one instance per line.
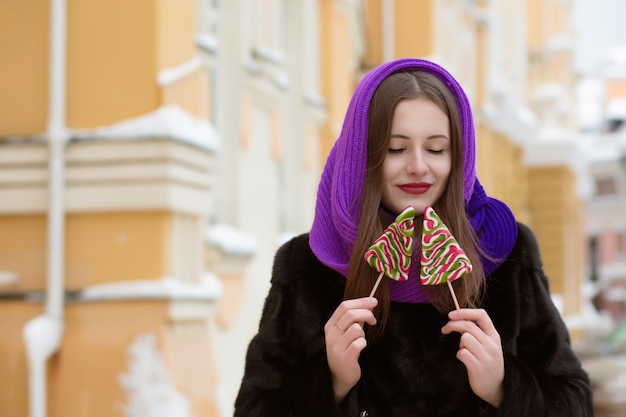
x=171 y=75
x=167 y=121
x=615 y=63
x=8 y=277
x=208 y=42
x=230 y=240
x=209 y=289
x=616 y=108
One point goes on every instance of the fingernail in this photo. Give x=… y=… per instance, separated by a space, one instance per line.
x=372 y=301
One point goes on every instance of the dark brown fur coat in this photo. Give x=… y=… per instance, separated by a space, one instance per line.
x=413 y=370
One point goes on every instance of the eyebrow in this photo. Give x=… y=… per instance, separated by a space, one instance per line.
x=437 y=136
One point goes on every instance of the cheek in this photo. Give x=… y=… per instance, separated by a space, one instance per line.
x=444 y=169
x=442 y=172
x=387 y=171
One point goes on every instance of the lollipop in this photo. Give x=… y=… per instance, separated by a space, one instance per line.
x=443 y=260
x=391 y=252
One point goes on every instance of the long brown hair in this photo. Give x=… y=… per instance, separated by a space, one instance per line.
x=450 y=207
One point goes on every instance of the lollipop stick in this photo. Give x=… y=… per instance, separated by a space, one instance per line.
x=456 y=303
x=376 y=284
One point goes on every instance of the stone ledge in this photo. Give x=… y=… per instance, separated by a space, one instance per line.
x=101 y=175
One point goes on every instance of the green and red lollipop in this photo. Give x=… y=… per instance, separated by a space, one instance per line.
x=443 y=260
x=391 y=252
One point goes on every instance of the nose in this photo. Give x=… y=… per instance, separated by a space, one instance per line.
x=416 y=164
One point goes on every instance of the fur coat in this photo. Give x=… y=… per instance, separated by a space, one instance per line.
x=412 y=370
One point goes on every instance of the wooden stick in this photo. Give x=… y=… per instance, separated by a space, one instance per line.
x=456 y=303
x=376 y=284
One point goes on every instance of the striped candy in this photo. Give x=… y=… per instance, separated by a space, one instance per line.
x=391 y=253
x=442 y=258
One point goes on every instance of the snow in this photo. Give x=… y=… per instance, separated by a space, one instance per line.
x=554 y=134
x=231 y=240
x=603 y=148
x=208 y=41
x=549 y=91
x=614 y=65
x=562 y=42
x=616 y=108
x=166 y=121
x=8 y=277
x=171 y=75
x=590 y=93
x=208 y=289
x=151 y=392
x=266 y=53
x=506 y=114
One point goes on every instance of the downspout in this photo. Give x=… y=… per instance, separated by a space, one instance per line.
x=43 y=334
x=388 y=25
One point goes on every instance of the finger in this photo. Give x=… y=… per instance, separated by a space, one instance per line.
x=366 y=303
x=472 y=335
x=355 y=317
x=477 y=315
x=462 y=326
x=472 y=349
x=480 y=362
x=347 y=346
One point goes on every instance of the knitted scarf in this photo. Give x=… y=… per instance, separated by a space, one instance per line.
x=338 y=206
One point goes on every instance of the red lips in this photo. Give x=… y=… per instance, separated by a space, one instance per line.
x=415 y=188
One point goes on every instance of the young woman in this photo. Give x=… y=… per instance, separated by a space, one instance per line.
x=325 y=348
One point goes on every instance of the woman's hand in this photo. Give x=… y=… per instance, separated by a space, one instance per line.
x=480 y=351
x=345 y=339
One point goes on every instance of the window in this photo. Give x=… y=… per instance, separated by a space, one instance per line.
x=606 y=186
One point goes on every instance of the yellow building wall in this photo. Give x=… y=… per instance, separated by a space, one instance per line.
x=175 y=32
x=414 y=22
x=374 y=33
x=176 y=46
x=24 y=69
x=501 y=170
x=118 y=246
x=93 y=355
x=190 y=93
x=337 y=75
x=23 y=251
x=534 y=28
x=116 y=50
x=139 y=242
x=482 y=42
x=111 y=73
x=556 y=221
x=86 y=376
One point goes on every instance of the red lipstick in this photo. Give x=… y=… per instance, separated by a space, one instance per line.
x=415 y=187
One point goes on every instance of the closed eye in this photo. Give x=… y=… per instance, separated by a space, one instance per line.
x=396 y=150
x=436 y=151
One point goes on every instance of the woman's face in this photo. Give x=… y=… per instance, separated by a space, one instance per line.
x=418 y=161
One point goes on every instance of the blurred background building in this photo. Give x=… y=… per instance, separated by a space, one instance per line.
x=155 y=154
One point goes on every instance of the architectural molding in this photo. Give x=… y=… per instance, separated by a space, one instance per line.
x=101 y=175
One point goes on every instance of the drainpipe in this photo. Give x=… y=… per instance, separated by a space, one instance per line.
x=388 y=25
x=43 y=334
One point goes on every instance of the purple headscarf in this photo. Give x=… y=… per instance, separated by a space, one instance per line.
x=338 y=207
